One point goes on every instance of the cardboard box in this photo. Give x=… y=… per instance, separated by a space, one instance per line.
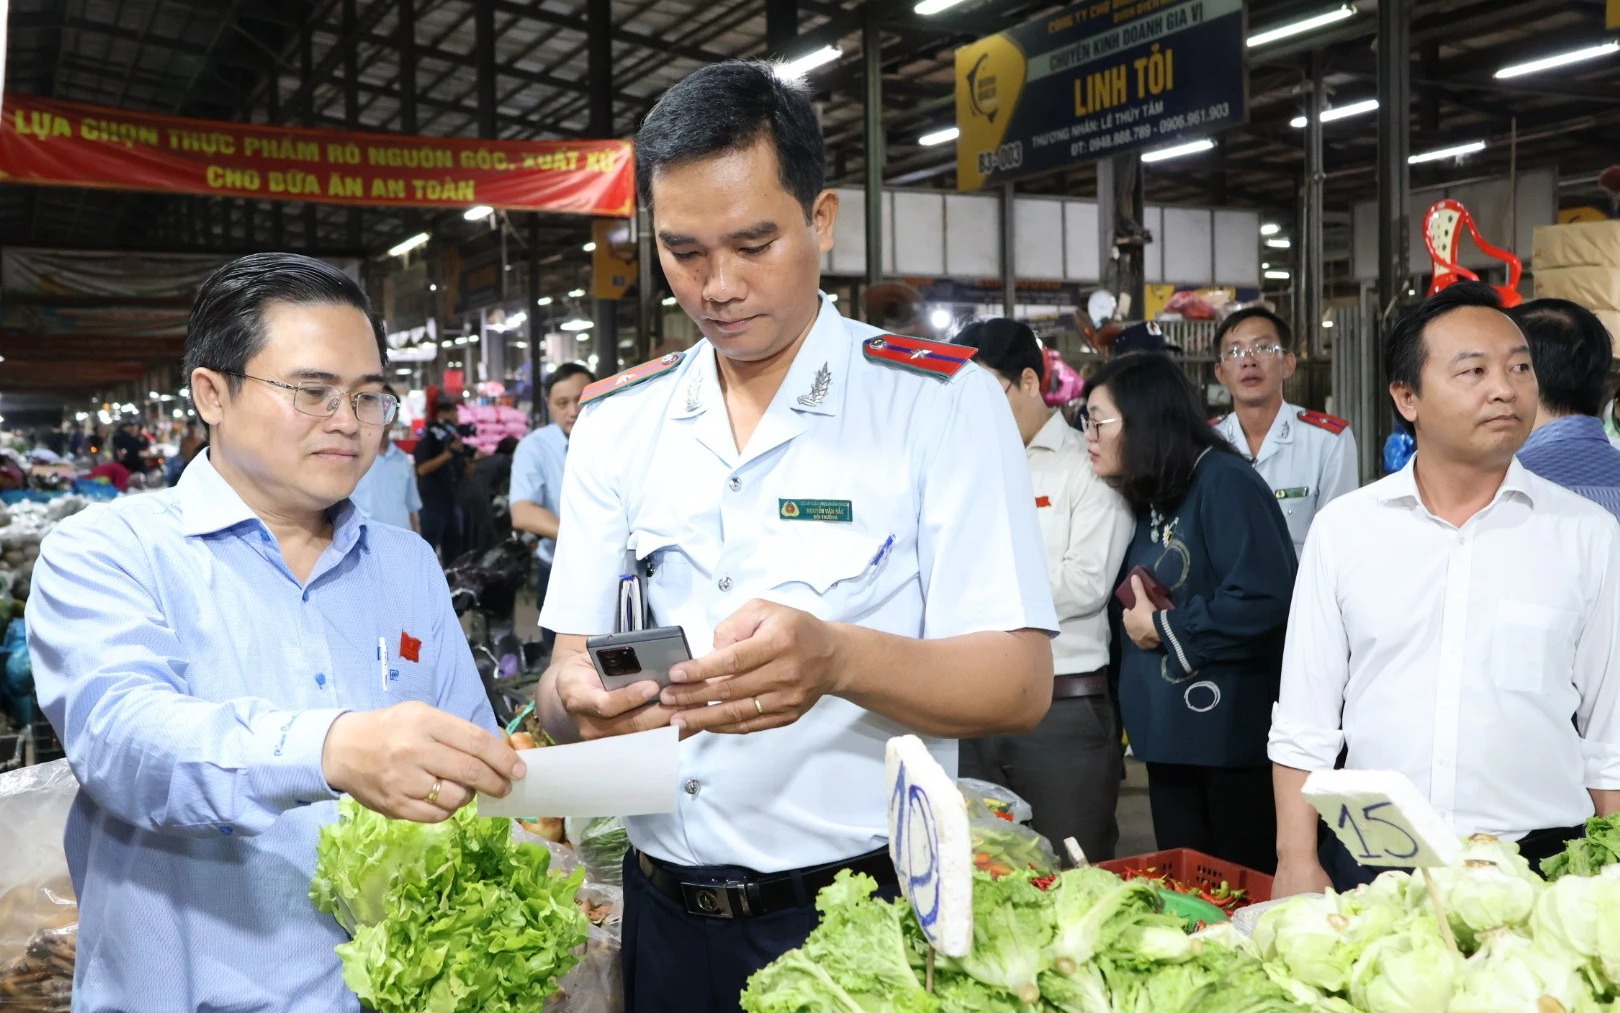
x=1579 y=244
x=1596 y=288
x=1611 y=320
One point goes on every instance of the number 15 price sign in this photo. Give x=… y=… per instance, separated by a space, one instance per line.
x=930 y=845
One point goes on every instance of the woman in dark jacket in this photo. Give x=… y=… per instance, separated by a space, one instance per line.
x=1197 y=679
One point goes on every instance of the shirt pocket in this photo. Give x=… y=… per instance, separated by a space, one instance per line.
x=671 y=575
x=1298 y=511
x=1529 y=643
x=843 y=575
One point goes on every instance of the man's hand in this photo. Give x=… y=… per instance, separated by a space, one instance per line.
x=770 y=665
x=390 y=761
x=1138 y=619
x=1302 y=875
x=599 y=713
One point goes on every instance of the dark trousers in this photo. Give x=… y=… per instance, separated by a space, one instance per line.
x=1347 y=873
x=1068 y=769
x=442 y=529
x=542 y=582
x=675 y=962
x=1227 y=812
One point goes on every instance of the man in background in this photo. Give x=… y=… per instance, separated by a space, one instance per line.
x=537 y=470
x=387 y=491
x=441 y=464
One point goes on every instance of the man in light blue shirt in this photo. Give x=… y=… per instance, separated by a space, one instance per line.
x=209 y=656
x=387 y=491
x=1570 y=350
x=537 y=470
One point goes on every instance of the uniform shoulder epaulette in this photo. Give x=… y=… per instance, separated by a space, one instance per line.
x=1322 y=420
x=630 y=377
x=931 y=358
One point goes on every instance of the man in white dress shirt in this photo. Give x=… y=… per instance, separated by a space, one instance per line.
x=1457 y=621
x=841 y=522
x=1307 y=457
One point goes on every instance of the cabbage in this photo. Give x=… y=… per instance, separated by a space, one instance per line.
x=1409 y=971
x=1509 y=974
x=1481 y=896
x=1311 y=940
x=1577 y=917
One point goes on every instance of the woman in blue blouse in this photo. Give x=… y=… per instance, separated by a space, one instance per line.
x=1197 y=679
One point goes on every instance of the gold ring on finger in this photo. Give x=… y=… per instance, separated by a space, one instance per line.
x=759 y=707
x=433 y=793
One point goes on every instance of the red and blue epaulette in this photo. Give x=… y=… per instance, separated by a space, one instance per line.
x=1322 y=420
x=931 y=358
x=630 y=377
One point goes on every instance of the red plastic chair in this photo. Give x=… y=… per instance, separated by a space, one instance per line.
x=1442 y=230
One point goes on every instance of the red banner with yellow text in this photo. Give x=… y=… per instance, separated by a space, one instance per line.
x=73 y=144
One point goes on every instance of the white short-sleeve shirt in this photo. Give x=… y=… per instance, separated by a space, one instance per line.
x=878 y=453
x=1307 y=465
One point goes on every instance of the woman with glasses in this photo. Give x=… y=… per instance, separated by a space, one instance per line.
x=1068 y=768
x=1205 y=589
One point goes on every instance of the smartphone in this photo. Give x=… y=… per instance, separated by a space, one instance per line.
x=1157 y=593
x=622 y=659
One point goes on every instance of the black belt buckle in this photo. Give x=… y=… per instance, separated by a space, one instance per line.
x=717 y=900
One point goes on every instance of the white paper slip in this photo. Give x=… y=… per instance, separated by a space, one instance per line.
x=627 y=775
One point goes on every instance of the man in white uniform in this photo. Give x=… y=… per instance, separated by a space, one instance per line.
x=842 y=523
x=1307 y=457
x=1457 y=621
x=387 y=491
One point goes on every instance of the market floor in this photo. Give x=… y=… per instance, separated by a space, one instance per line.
x=1135 y=819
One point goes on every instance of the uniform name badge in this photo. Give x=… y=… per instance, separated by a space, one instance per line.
x=1297 y=492
x=838 y=511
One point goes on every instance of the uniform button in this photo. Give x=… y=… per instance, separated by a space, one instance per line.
x=725 y=584
x=734 y=484
x=694 y=786
x=306 y=596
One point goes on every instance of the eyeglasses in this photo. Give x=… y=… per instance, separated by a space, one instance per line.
x=372 y=408
x=1237 y=353
x=1091 y=425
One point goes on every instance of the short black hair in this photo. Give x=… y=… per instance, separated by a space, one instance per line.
x=226 y=328
x=1404 y=351
x=726 y=107
x=566 y=371
x=1163 y=427
x=1285 y=334
x=1570 y=349
x=1006 y=346
x=507 y=446
x=446 y=404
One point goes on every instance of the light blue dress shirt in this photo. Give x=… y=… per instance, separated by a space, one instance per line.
x=192 y=680
x=537 y=476
x=1575 y=452
x=388 y=490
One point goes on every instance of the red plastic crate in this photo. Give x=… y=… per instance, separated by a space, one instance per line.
x=1195 y=868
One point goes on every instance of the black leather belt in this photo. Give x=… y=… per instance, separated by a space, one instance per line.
x=754 y=895
x=1065 y=687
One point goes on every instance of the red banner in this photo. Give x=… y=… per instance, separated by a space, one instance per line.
x=72 y=144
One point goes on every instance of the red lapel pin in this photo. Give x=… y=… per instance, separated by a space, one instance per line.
x=410 y=648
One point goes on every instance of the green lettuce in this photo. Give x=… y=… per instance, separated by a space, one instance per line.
x=1012 y=928
x=1509 y=974
x=1407 y=971
x=446 y=917
x=1586 y=856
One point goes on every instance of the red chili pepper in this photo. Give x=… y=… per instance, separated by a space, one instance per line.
x=1044 y=882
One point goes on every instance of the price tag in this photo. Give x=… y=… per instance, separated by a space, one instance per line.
x=930 y=845
x=1382 y=819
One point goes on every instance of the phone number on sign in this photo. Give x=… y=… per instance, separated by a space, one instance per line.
x=1196 y=117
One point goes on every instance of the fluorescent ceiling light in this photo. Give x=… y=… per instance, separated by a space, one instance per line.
x=669 y=300
x=1277 y=275
x=575 y=293
x=520 y=344
x=577 y=324
x=400 y=249
x=1190 y=148
x=589 y=247
x=941 y=318
x=939 y=136
x=1279 y=243
x=403 y=372
x=1549 y=62
x=1339 y=112
x=810 y=61
x=478 y=212
x=1455 y=151
x=1270 y=229
x=1302 y=26
x=544 y=300
x=934 y=6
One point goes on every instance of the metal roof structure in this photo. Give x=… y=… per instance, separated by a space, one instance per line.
x=517 y=69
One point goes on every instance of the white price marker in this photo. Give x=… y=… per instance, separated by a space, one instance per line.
x=1382 y=819
x=930 y=845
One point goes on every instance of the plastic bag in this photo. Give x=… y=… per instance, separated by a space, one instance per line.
x=1001 y=841
x=601 y=842
x=596 y=984
x=39 y=914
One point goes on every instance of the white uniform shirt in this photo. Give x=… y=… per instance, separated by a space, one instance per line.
x=934 y=464
x=1479 y=662
x=1086 y=527
x=1305 y=465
